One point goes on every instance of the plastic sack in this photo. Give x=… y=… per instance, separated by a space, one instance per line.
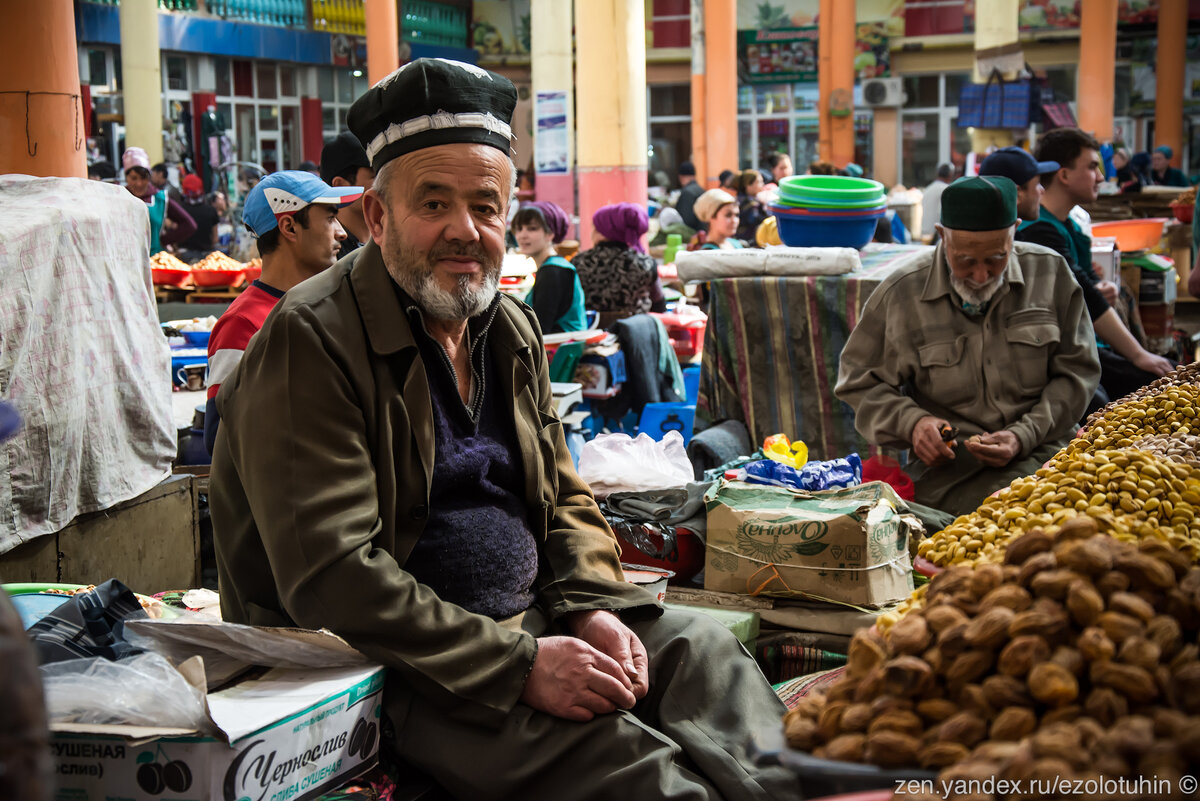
x=777 y=448
x=888 y=470
x=619 y=463
x=142 y=690
x=813 y=476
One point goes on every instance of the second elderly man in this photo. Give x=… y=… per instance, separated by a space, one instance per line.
x=978 y=356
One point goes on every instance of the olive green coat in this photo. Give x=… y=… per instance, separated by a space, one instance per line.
x=320 y=489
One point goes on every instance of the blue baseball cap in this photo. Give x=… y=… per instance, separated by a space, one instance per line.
x=1016 y=164
x=288 y=191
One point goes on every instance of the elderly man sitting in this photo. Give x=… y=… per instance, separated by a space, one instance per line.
x=390 y=467
x=978 y=356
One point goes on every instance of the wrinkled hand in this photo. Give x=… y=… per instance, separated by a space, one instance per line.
x=571 y=679
x=996 y=449
x=927 y=441
x=1152 y=363
x=605 y=632
x=1109 y=290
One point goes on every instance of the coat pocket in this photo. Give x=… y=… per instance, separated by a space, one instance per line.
x=947 y=378
x=1032 y=336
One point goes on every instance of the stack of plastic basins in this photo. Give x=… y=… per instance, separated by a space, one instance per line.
x=828 y=210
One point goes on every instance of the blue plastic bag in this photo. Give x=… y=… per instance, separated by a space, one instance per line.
x=813 y=476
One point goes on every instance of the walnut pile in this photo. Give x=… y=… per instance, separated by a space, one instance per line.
x=1075 y=658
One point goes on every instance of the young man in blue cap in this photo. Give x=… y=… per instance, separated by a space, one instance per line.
x=344 y=162
x=1068 y=175
x=293 y=215
x=413 y=493
x=984 y=335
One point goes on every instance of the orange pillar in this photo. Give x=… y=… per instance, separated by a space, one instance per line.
x=835 y=81
x=383 y=39
x=1097 y=67
x=42 y=131
x=699 y=115
x=1172 y=61
x=720 y=89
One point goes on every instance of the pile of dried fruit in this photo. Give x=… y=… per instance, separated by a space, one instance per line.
x=1076 y=657
x=1182 y=449
x=1184 y=375
x=1131 y=493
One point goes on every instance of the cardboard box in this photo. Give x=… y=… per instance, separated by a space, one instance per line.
x=286 y=734
x=1106 y=258
x=846 y=546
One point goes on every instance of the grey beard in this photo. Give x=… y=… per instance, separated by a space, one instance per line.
x=974 y=296
x=463 y=303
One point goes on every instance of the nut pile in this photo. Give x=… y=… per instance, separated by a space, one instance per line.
x=1130 y=493
x=1076 y=657
x=1182 y=449
x=1172 y=410
x=1184 y=375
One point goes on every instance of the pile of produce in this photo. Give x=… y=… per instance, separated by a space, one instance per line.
x=218 y=261
x=166 y=261
x=1134 y=469
x=1074 y=656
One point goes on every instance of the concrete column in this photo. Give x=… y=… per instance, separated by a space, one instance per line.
x=1169 y=70
x=141 y=77
x=886 y=133
x=552 y=66
x=835 y=81
x=383 y=39
x=611 y=128
x=1097 y=67
x=720 y=89
x=42 y=131
x=699 y=115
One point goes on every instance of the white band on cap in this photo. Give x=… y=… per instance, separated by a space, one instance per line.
x=434 y=122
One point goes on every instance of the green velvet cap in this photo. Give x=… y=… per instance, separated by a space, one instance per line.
x=984 y=203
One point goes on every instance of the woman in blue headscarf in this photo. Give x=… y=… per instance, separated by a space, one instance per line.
x=1161 y=171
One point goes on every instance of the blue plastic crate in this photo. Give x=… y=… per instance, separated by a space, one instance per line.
x=659 y=418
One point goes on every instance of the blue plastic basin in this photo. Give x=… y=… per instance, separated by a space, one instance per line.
x=826 y=232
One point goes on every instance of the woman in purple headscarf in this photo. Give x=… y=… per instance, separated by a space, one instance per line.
x=619 y=278
x=557 y=297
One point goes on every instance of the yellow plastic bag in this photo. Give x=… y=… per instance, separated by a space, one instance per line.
x=778 y=448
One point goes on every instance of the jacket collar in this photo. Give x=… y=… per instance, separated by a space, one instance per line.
x=378 y=302
x=937 y=283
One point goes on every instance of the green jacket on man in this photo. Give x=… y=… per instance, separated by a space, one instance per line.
x=320 y=489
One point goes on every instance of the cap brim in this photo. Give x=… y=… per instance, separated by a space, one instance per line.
x=339 y=196
x=1048 y=166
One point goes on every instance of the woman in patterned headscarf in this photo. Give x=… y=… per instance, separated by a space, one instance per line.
x=557 y=297
x=619 y=278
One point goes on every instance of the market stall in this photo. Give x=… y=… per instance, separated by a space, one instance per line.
x=771 y=351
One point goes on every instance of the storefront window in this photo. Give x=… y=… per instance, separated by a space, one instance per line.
x=325 y=84
x=807 y=97
x=807 y=146
x=329 y=120
x=745 y=99
x=670 y=144
x=345 y=87
x=745 y=146
x=267 y=89
x=919 y=149
x=98 y=67
x=177 y=72
x=773 y=99
x=671 y=100
x=268 y=118
x=224 y=86
x=954 y=85
x=287 y=80
x=243 y=78
x=921 y=91
x=772 y=138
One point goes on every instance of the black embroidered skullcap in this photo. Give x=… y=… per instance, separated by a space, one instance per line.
x=430 y=102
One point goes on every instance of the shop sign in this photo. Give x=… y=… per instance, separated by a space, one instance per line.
x=778 y=55
x=551 y=146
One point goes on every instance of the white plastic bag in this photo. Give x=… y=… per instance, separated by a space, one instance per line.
x=618 y=463
x=142 y=690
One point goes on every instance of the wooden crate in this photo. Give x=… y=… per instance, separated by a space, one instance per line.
x=151 y=543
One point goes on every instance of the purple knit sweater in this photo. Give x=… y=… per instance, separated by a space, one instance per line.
x=477 y=549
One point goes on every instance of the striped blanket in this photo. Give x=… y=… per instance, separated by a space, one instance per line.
x=772 y=350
